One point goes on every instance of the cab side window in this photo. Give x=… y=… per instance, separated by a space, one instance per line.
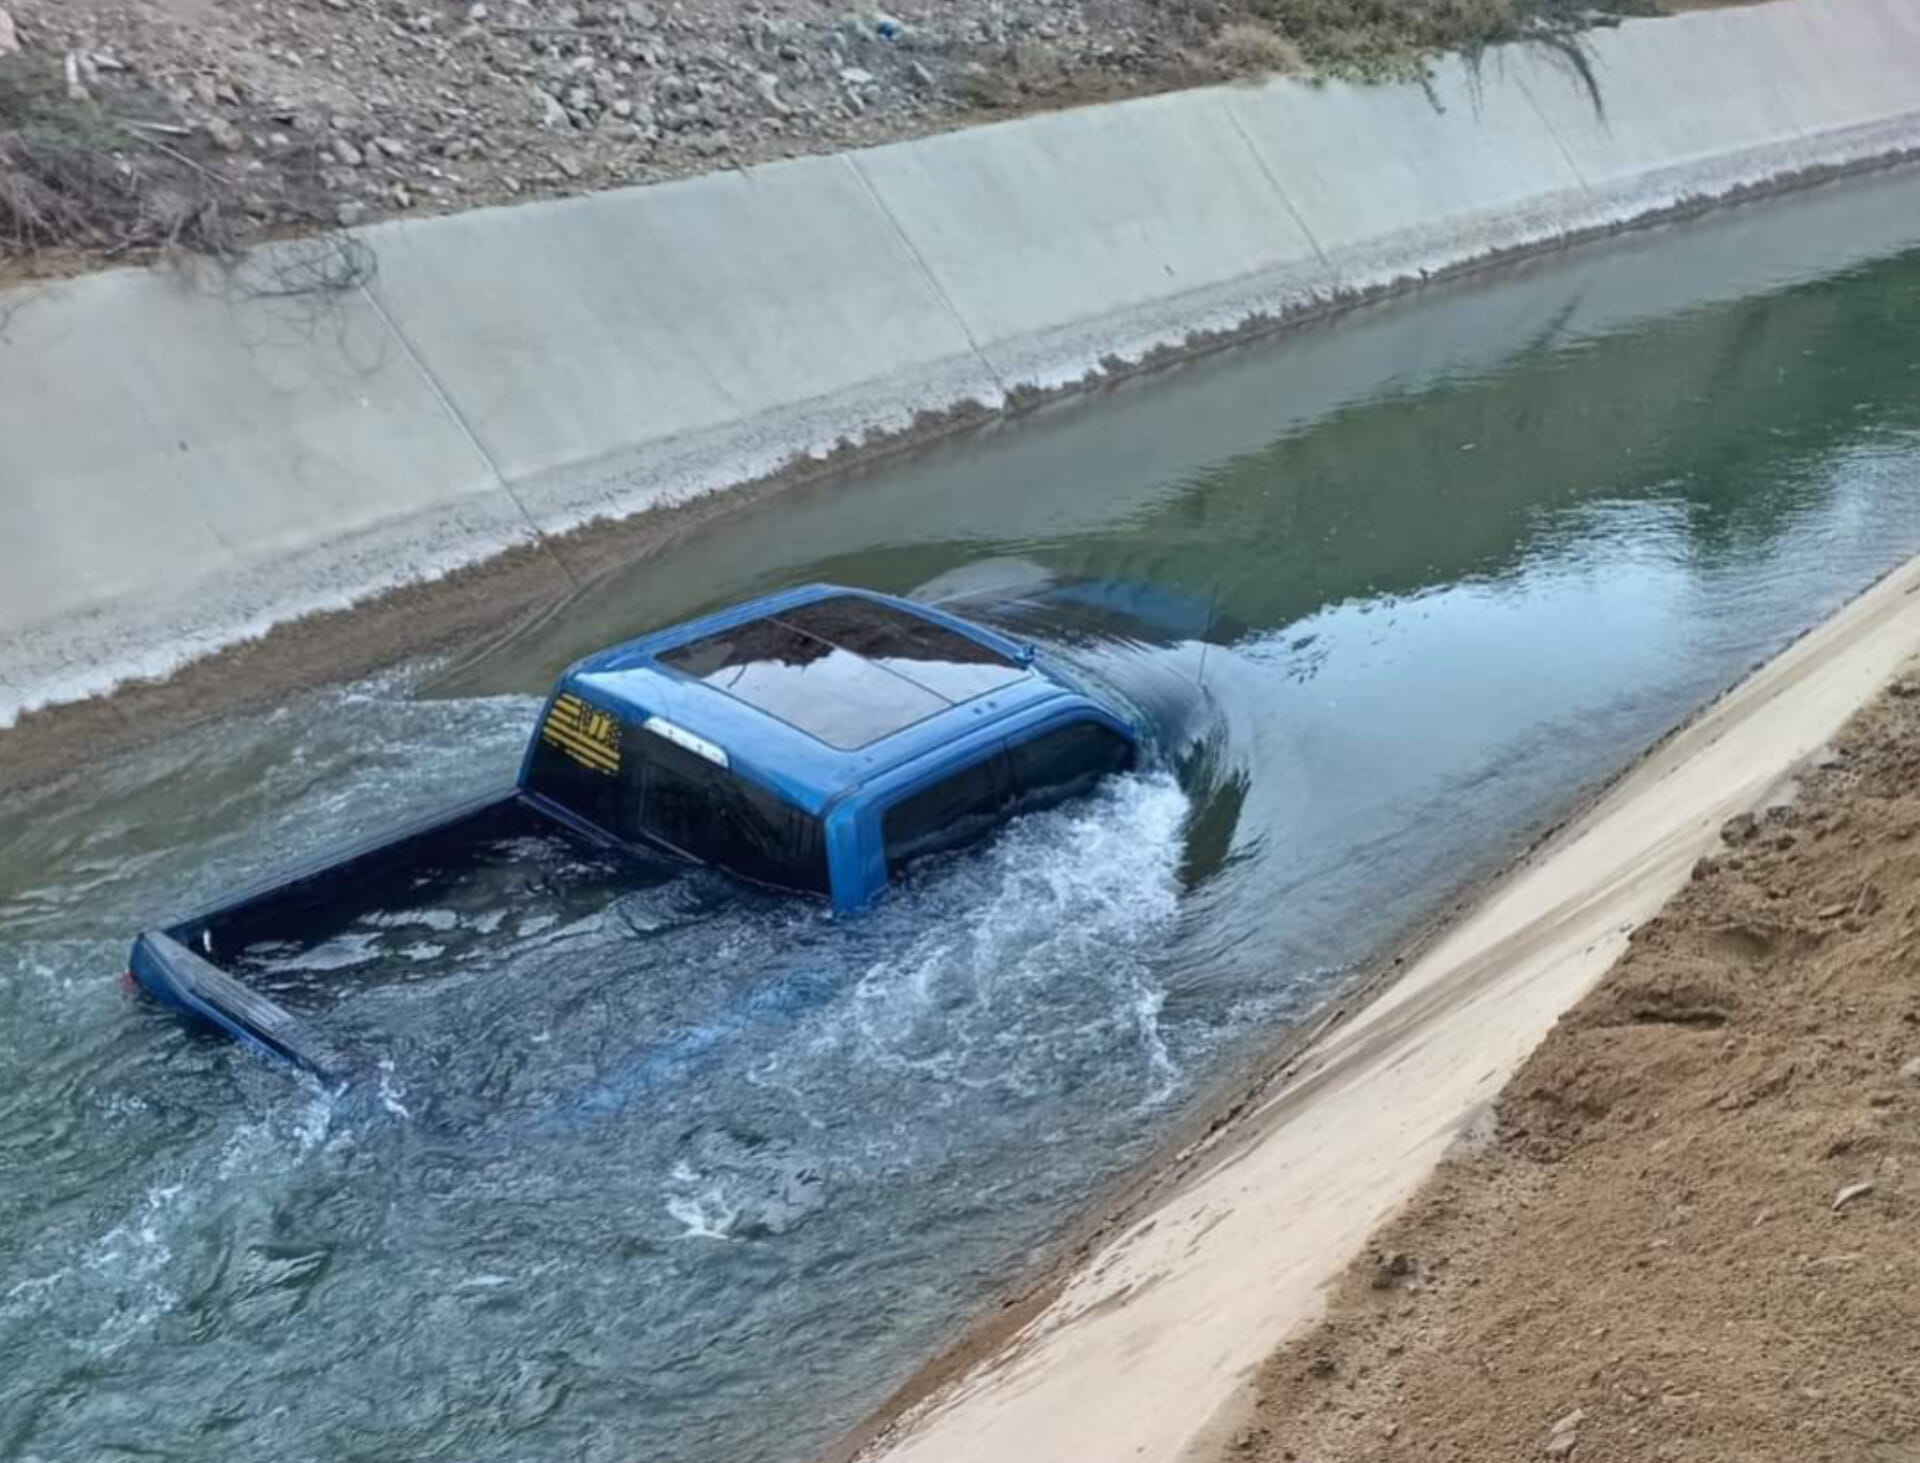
x=1064 y=763
x=947 y=814
x=717 y=816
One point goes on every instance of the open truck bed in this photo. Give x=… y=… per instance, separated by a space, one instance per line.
x=190 y=964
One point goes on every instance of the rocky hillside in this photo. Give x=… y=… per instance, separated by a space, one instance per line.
x=249 y=118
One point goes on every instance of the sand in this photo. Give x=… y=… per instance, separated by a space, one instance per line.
x=1154 y=1346
x=1692 y=1234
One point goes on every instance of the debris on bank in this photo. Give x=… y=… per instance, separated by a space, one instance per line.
x=298 y=114
x=1690 y=1234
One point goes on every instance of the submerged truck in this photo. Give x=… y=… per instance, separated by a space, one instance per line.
x=816 y=741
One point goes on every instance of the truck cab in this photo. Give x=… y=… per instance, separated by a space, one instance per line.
x=819 y=740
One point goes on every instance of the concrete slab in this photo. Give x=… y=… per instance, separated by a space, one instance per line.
x=1033 y=225
x=569 y=330
x=1853 y=61
x=1364 y=163
x=157 y=433
x=1700 y=86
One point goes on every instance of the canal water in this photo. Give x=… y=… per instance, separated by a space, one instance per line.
x=689 y=1174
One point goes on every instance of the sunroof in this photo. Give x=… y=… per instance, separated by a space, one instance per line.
x=844 y=669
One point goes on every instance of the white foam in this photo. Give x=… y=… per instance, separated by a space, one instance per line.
x=391 y=1092
x=704 y=1215
x=1085 y=892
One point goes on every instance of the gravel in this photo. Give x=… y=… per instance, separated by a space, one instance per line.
x=443 y=104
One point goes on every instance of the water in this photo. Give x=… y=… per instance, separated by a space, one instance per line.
x=680 y=1172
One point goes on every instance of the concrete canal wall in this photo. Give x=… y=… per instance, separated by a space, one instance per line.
x=182 y=465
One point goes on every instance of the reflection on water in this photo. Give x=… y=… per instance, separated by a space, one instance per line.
x=691 y=1173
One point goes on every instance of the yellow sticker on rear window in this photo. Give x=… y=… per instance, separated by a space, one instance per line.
x=584 y=732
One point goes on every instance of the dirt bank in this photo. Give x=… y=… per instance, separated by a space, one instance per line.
x=131 y=126
x=1690 y=1233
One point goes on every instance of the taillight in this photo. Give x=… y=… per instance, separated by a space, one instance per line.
x=127 y=980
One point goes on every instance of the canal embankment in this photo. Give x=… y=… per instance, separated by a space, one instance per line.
x=190 y=462
x=1685 y=1232
x=1160 y=1339
x=737 y=1166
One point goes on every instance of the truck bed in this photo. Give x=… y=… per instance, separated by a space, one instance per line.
x=238 y=964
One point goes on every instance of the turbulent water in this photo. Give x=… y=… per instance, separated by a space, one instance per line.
x=667 y=1169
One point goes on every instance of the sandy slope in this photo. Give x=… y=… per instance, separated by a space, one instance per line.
x=1693 y=1237
x=1148 y=1350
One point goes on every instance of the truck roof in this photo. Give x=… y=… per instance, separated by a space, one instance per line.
x=816 y=690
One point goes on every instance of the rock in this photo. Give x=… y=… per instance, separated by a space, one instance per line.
x=552 y=115
x=623 y=109
x=768 y=85
x=857 y=76
x=1851 y=1192
x=1564 y=1436
x=400 y=196
x=922 y=77
x=393 y=147
x=1739 y=828
x=641 y=16
x=225 y=135
x=9 y=36
x=1910 y=1070
x=1387 y=1271
x=569 y=164
x=350 y=213
x=346 y=154
x=1904 y=690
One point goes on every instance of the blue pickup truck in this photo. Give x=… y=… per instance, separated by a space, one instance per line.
x=817 y=741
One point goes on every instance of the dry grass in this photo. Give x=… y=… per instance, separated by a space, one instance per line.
x=1249 y=48
x=76 y=177
x=1381 y=39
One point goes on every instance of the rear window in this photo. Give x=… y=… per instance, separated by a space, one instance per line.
x=579 y=760
x=636 y=785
